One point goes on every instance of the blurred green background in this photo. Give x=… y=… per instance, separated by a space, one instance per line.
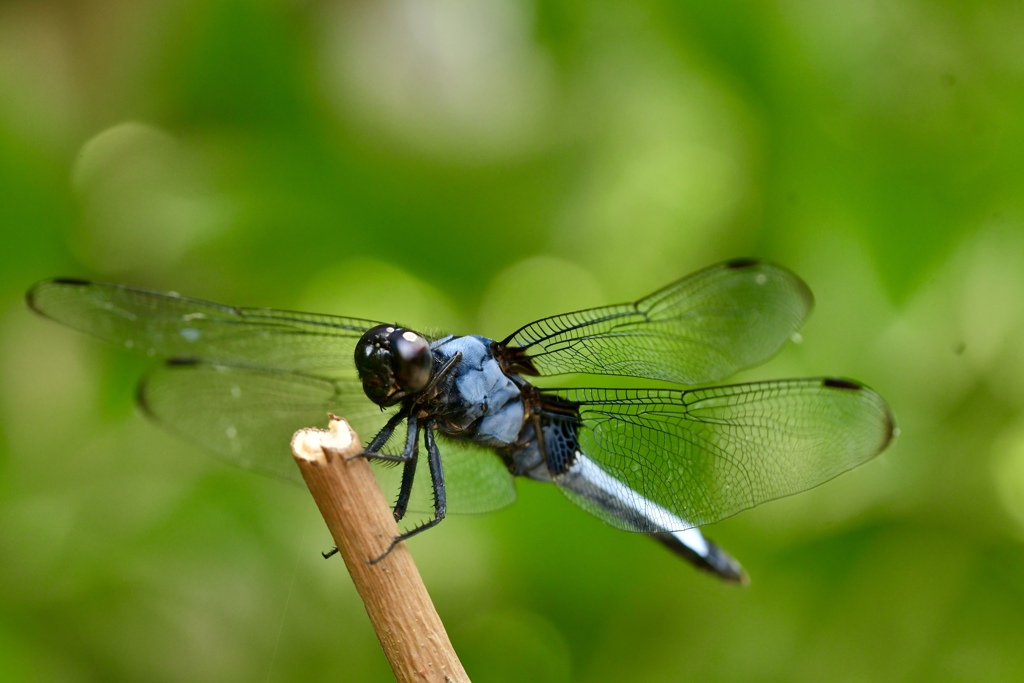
x=471 y=166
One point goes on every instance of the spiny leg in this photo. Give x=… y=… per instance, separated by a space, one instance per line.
x=372 y=450
x=440 y=494
x=436 y=478
x=408 y=471
x=408 y=456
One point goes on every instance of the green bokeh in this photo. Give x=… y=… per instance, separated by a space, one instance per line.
x=442 y=163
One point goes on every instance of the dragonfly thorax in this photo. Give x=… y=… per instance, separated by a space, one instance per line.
x=393 y=363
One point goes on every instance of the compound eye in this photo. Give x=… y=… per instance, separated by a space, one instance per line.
x=411 y=360
x=373 y=363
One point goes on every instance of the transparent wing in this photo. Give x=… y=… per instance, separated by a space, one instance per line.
x=700 y=329
x=247 y=417
x=169 y=325
x=709 y=453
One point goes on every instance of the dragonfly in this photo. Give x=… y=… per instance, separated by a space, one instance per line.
x=660 y=460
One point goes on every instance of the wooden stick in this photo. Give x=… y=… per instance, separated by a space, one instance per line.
x=361 y=522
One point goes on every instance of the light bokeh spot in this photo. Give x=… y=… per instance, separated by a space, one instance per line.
x=147 y=198
x=456 y=78
x=1007 y=465
x=533 y=288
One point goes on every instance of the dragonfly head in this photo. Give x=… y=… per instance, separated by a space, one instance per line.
x=393 y=363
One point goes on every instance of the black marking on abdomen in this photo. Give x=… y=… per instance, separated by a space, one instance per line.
x=559 y=423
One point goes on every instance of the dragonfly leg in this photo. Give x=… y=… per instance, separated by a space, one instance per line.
x=408 y=470
x=372 y=450
x=440 y=495
x=408 y=456
x=442 y=372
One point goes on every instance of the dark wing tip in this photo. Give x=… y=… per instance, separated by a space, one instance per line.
x=742 y=262
x=842 y=383
x=182 y=361
x=77 y=281
x=891 y=430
